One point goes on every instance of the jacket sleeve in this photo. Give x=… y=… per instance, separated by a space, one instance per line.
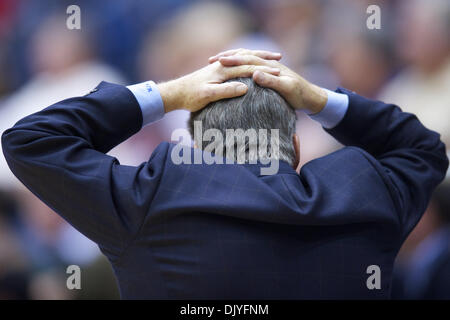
x=59 y=154
x=410 y=159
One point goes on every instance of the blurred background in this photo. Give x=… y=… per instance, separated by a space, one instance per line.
x=406 y=62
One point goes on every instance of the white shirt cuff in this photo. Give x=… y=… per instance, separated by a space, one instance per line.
x=150 y=101
x=334 y=111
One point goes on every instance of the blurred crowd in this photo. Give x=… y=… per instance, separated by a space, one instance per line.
x=406 y=62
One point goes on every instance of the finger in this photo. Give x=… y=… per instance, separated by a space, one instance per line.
x=247 y=71
x=263 y=54
x=226 y=90
x=223 y=54
x=267 y=55
x=269 y=81
x=238 y=60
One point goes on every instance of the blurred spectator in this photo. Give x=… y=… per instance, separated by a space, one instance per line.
x=8 y=12
x=296 y=28
x=7 y=15
x=49 y=285
x=63 y=66
x=11 y=252
x=49 y=241
x=423 y=269
x=100 y=280
x=294 y=25
x=423 y=44
x=362 y=59
x=14 y=271
x=179 y=46
x=361 y=62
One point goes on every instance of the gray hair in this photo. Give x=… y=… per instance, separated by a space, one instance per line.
x=260 y=108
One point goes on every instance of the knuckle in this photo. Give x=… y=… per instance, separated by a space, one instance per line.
x=247 y=69
x=251 y=69
x=251 y=59
x=272 y=81
x=273 y=63
x=260 y=53
x=264 y=69
x=259 y=60
x=220 y=69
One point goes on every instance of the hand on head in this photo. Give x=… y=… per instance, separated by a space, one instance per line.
x=194 y=91
x=297 y=91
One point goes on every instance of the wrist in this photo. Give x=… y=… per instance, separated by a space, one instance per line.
x=315 y=99
x=169 y=92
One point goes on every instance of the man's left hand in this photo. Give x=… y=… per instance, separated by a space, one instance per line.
x=194 y=91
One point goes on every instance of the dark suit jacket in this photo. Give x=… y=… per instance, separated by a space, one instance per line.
x=224 y=231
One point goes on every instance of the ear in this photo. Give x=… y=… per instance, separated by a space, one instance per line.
x=296 y=142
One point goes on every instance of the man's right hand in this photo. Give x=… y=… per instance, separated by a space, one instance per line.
x=297 y=91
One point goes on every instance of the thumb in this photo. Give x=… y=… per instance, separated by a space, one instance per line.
x=226 y=90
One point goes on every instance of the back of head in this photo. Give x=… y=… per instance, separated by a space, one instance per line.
x=261 y=110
